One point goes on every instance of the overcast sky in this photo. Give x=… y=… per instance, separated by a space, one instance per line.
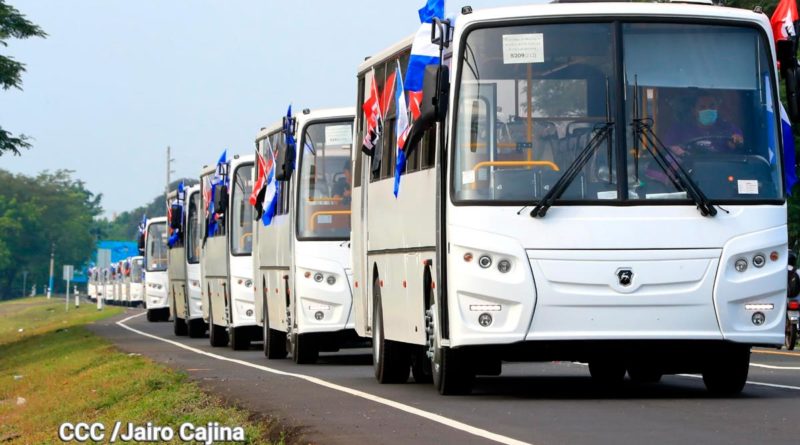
x=115 y=82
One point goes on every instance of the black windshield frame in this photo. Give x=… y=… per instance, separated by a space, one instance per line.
x=621 y=126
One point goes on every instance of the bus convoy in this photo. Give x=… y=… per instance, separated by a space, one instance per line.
x=596 y=182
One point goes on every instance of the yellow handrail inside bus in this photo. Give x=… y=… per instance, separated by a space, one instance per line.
x=325 y=212
x=323 y=198
x=482 y=164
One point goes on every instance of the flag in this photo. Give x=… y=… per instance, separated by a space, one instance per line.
x=789 y=164
x=783 y=20
x=143 y=224
x=260 y=187
x=222 y=161
x=401 y=130
x=373 y=118
x=387 y=95
x=288 y=130
x=270 y=201
x=423 y=53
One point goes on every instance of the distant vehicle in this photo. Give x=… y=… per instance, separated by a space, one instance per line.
x=597 y=218
x=302 y=259
x=119 y=283
x=136 y=282
x=111 y=284
x=226 y=262
x=184 y=262
x=91 y=287
x=155 y=269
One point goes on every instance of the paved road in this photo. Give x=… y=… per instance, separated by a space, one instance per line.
x=338 y=400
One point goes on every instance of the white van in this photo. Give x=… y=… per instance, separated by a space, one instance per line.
x=155 y=269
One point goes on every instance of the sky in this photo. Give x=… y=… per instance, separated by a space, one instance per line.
x=116 y=82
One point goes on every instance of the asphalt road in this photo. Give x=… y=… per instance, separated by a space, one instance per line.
x=338 y=401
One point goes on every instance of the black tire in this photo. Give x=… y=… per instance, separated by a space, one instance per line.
x=609 y=372
x=451 y=369
x=644 y=373
x=217 y=335
x=421 y=367
x=179 y=326
x=725 y=374
x=239 y=338
x=304 y=349
x=152 y=315
x=391 y=359
x=196 y=328
x=274 y=341
x=790 y=340
x=164 y=314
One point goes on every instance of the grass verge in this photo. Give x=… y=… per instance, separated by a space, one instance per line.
x=54 y=371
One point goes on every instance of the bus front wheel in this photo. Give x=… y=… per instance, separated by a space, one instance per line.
x=725 y=374
x=217 y=335
x=274 y=341
x=452 y=369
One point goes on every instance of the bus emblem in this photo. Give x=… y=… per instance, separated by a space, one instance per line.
x=625 y=277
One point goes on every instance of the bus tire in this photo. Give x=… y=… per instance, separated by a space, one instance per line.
x=451 y=368
x=725 y=374
x=239 y=338
x=217 y=335
x=195 y=328
x=152 y=315
x=304 y=349
x=790 y=338
x=391 y=359
x=274 y=341
x=179 y=326
x=421 y=367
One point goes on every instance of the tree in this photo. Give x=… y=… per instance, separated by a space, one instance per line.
x=51 y=209
x=13 y=25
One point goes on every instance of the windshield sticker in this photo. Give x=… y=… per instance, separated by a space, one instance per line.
x=523 y=48
x=468 y=177
x=747 y=186
x=611 y=194
x=324 y=219
x=338 y=135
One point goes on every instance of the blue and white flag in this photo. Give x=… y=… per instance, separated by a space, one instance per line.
x=288 y=131
x=143 y=224
x=423 y=53
x=401 y=129
x=271 y=192
x=789 y=163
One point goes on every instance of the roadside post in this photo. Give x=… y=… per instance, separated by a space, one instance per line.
x=77 y=296
x=68 y=270
x=103 y=262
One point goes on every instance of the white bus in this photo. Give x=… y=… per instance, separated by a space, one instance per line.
x=302 y=258
x=184 y=264
x=591 y=182
x=155 y=269
x=136 y=282
x=225 y=258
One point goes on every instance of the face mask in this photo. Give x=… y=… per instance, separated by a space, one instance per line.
x=707 y=117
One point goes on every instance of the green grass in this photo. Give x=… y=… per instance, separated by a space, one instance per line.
x=69 y=374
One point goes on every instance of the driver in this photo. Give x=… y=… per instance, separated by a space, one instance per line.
x=342 y=186
x=706 y=132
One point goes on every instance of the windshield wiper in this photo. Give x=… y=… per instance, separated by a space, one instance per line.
x=667 y=161
x=601 y=132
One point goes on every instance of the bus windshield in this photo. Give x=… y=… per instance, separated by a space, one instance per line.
x=136 y=270
x=325 y=181
x=156 y=250
x=242 y=219
x=696 y=97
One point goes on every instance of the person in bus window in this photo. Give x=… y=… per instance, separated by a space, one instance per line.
x=343 y=185
x=706 y=133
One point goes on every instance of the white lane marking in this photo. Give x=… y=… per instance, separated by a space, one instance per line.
x=770 y=385
x=760 y=365
x=397 y=405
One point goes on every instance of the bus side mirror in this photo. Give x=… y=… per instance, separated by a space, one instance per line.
x=787 y=57
x=221 y=199
x=175 y=216
x=435 y=100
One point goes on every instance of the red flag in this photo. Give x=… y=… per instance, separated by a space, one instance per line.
x=783 y=19
x=261 y=181
x=373 y=116
x=388 y=93
x=414 y=103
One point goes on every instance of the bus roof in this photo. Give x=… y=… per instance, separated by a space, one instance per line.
x=386 y=53
x=320 y=113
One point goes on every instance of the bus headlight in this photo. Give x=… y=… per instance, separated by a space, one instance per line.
x=485 y=261
x=331 y=280
x=318 y=277
x=759 y=260
x=740 y=265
